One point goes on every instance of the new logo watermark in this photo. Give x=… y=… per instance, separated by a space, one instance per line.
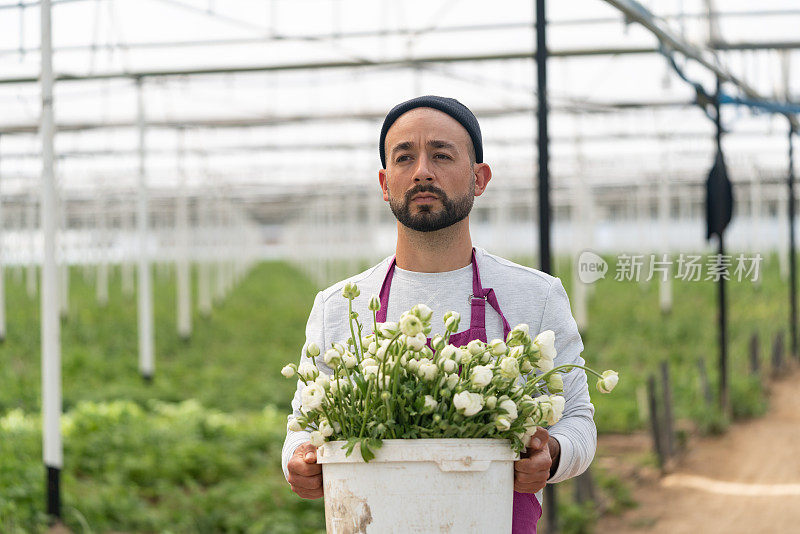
x=687 y=267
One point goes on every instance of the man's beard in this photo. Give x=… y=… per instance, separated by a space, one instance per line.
x=427 y=220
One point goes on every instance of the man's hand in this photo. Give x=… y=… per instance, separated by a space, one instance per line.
x=305 y=474
x=533 y=469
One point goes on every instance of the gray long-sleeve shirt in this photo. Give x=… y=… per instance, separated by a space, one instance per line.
x=525 y=295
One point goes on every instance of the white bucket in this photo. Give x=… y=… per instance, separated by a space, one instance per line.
x=420 y=486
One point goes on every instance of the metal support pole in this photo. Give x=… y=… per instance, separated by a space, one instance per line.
x=724 y=401
x=544 y=193
x=145 y=297
x=183 y=266
x=2 y=274
x=51 y=327
x=792 y=253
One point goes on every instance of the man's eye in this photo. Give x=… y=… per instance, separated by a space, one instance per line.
x=401 y=158
x=442 y=156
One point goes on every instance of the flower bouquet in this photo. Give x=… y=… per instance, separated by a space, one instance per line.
x=390 y=384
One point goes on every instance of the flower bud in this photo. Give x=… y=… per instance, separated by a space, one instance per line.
x=555 y=383
x=498 y=347
x=332 y=358
x=449 y=352
x=475 y=347
x=349 y=360
x=323 y=380
x=608 y=381
x=437 y=343
x=388 y=329
x=338 y=348
x=526 y=367
x=423 y=312
x=308 y=371
x=294 y=425
x=312 y=350
x=317 y=439
x=430 y=404
x=410 y=325
x=491 y=402
x=325 y=428
x=374 y=303
x=502 y=423
x=509 y=367
x=385 y=395
x=416 y=343
x=350 y=291
x=289 y=370
x=451 y=321
x=449 y=366
x=452 y=380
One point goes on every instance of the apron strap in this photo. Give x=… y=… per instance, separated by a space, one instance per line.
x=384 y=294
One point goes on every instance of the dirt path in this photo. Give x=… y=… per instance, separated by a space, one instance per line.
x=747 y=481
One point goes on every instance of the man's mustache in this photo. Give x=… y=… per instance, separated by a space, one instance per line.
x=425 y=188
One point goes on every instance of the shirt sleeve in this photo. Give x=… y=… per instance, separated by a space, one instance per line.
x=315 y=333
x=575 y=431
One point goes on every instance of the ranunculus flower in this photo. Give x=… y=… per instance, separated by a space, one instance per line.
x=502 y=423
x=416 y=343
x=410 y=325
x=526 y=367
x=468 y=403
x=544 y=365
x=312 y=396
x=498 y=347
x=545 y=341
x=491 y=402
x=332 y=358
x=349 y=360
x=555 y=383
x=509 y=367
x=463 y=356
x=423 y=312
x=325 y=428
x=449 y=366
x=437 y=342
x=388 y=329
x=308 y=371
x=449 y=352
x=323 y=380
x=451 y=321
x=475 y=347
x=608 y=381
x=557 y=402
x=294 y=425
x=317 y=439
x=452 y=380
x=312 y=350
x=289 y=370
x=430 y=404
x=481 y=376
x=510 y=407
x=427 y=370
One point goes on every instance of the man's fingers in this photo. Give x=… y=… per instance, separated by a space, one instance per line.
x=538 y=439
x=308 y=494
x=306 y=483
x=302 y=468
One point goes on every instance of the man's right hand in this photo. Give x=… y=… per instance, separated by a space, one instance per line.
x=305 y=474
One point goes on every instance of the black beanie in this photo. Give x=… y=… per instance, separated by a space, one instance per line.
x=451 y=106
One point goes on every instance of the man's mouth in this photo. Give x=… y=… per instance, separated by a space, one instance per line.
x=424 y=198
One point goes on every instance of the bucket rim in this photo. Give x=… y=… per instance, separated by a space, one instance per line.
x=437 y=450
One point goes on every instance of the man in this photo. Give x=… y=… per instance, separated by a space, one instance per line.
x=432 y=155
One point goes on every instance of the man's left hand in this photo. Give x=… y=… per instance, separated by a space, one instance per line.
x=533 y=469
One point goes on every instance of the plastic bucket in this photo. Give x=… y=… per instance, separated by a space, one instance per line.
x=419 y=485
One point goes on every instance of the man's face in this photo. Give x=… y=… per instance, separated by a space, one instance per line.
x=430 y=181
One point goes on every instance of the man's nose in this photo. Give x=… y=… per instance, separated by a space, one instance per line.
x=423 y=171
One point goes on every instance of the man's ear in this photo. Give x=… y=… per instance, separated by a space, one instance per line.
x=382 y=181
x=482 y=174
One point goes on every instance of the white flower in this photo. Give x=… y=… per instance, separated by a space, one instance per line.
x=502 y=423
x=437 y=342
x=516 y=352
x=317 y=439
x=463 y=356
x=338 y=347
x=370 y=370
x=546 y=342
x=294 y=425
x=544 y=365
x=416 y=343
x=491 y=402
x=312 y=396
x=557 y=402
x=325 y=428
x=308 y=371
x=468 y=403
x=388 y=329
x=452 y=380
x=427 y=370
x=410 y=325
x=332 y=358
x=381 y=352
x=312 y=350
x=372 y=348
x=522 y=328
x=423 y=312
x=449 y=352
x=608 y=382
x=555 y=383
x=526 y=367
x=413 y=365
x=449 y=366
x=498 y=347
x=481 y=375
x=288 y=370
x=323 y=380
x=451 y=321
x=509 y=367
x=475 y=347
x=510 y=407
x=430 y=404
x=349 y=360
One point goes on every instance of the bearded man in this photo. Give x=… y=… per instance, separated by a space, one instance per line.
x=431 y=152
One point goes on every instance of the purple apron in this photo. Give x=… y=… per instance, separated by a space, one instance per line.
x=527 y=509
